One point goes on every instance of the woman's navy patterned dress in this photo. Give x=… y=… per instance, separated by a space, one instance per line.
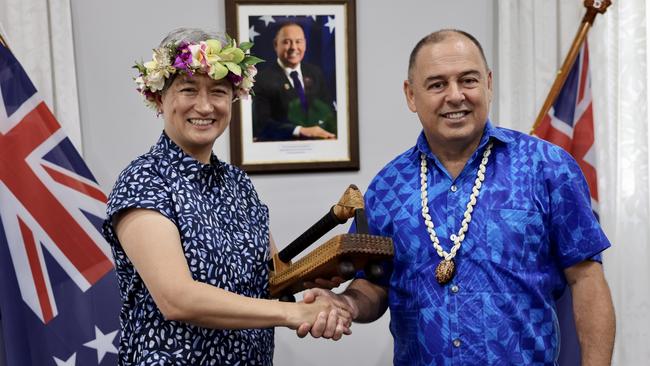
x=224 y=233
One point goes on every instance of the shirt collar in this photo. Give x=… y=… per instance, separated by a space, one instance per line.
x=288 y=70
x=186 y=164
x=490 y=132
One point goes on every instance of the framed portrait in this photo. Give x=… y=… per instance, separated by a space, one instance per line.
x=303 y=114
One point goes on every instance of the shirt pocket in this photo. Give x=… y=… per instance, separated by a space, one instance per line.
x=515 y=239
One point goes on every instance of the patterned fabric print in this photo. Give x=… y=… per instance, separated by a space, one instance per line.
x=224 y=233
x=532 y=219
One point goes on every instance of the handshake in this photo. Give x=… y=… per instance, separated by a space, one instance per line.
x=326 y=314
x=323 y=313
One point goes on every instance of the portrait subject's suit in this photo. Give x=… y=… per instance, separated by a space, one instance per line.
x=277 y=109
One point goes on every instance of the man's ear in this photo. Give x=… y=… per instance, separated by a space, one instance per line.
x=489 y=84
x=408 y=93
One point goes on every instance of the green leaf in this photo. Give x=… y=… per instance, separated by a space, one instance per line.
x=245 y=46
x=214 y=46
x=218 y=71
x=236 y=69
x=252 y=60
x=140 y=67
x=232 y=54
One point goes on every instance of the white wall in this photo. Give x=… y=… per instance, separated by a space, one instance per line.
x=110 y=35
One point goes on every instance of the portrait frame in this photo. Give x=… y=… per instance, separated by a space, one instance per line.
x=338 y=17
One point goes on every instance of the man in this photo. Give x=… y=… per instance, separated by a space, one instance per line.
x=291 y=99
x=489 y=226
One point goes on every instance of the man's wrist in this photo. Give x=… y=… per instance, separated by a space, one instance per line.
x=349 y=296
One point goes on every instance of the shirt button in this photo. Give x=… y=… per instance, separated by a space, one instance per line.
x=454 y=188
x=454 y=288
x=456 y=342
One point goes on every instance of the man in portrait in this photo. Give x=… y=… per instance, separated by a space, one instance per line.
x=291 y=98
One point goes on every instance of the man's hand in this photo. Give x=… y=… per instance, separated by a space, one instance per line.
x=315 y=132
x=364 y=301
x=330 y=326
x=324 y=283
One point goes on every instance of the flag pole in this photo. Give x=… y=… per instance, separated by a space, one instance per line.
x=594 y=7
x=3 y=42
x=2 y=39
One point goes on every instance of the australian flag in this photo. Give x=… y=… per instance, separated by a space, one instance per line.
x=59 y=303
x=570 y=121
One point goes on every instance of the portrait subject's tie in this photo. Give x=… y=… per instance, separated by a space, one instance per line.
x=299 y=89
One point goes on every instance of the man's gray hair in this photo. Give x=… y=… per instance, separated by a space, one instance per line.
x=439 y=36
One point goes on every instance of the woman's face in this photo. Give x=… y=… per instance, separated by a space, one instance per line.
x=196 y=110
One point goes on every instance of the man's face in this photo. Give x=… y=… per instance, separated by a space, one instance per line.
x=450 y=88
x=290 y=45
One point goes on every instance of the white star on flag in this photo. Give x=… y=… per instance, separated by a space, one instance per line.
x=331 y=24
x=103 y=343
x=252 y=34
x=267 y=19
x=69 y=362
x=312 y=16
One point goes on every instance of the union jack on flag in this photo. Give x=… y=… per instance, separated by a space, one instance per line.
x=59 y=303
x=570 y=121
x=570 y=125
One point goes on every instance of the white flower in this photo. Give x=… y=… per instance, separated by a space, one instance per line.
x=151 y=66
x=157 y=70
x=156 y=80
x=162 y=57
x=251 y=71
x=139 y=81
x=247 y=83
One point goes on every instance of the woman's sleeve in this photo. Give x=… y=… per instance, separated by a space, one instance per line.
x=141 y=186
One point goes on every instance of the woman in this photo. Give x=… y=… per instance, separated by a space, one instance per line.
x=188 y=232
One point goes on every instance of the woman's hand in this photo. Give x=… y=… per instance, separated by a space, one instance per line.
x=332 y=316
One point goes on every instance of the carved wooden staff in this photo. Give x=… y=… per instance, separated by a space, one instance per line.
x=340 y=256
x=594 y=7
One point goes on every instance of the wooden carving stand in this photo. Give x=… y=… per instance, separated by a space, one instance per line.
x=340 y=256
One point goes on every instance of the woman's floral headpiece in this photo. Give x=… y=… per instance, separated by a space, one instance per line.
x=210 y=57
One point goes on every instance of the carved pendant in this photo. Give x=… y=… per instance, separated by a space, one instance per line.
x=445 y=271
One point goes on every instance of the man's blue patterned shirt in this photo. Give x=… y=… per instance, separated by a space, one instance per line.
x=532 y=220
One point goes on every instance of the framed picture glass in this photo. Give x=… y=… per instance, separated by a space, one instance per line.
x=303 y=114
